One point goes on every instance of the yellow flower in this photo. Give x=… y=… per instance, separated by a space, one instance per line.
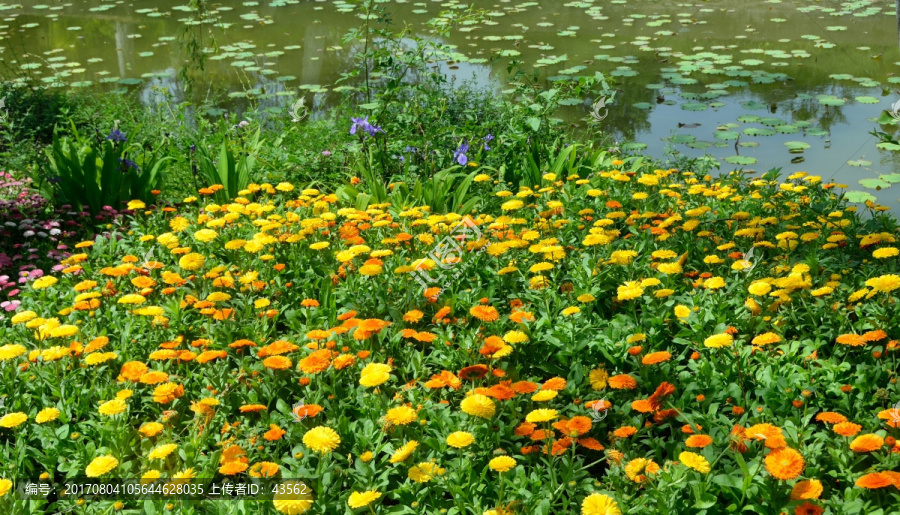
x=320 y=245
x=759 y=288
x=401 y=415
x=694 y=461
x=161 y=451
x=599 y=504
x=101 y=465
x=515 y=337
x=682 y=311
x=425 y=472
x=404 y=452
x=460 y=439
x=630 y=290
x=717 y=341
x=885 y=253
x=360 y=499
x=136 y=204
x=884 y=283
x=374 y=374
x=541 y=415
x=585 y=298
x=22 y=317
x=113 y=407
x=544 y=395
x=5 y=487
x=205 y=235
x=478 y=405
x=63 y=331
x=192 y=262
x=502 y=463
x=47 y=415
x=571 y=311
x=11 y=351
x=321 y=439
x=11 y=420
x=44 y=282
x=598 y=378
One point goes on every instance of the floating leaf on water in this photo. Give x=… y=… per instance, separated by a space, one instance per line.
x=830 y=100
x=753 y=105
x=816 y=132
x=740 y=160
x=748 y=118
x=859 y=162
x=859 y=196
x=875 y=184
x=867 y=100
x=642 y=105
x=726 y=135
x=787 y=129
x=682 y=139
x=771 y=121
x=694 y=106
x=796 y=145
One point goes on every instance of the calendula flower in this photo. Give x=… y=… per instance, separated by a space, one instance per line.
x=784 y=463
x=101 y=465
x=362 y=499
x=599 y=504
x=717 y=341
x=502 y=463
x=47 y=415
x=478 y=406
x=374 y=374
x=694 y=461
x=460 y=439
x=321 y=439
x=11 y=420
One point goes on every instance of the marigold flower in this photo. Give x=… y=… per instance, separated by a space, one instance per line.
x=784 y=463
x=321 y=439
x=599 y=504
x=867 y=443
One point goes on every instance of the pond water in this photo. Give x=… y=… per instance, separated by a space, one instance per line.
x=758 y=85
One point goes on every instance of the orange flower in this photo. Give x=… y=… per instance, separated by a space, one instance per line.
x=656 y=357
x=501 y=392
x=874 y=480
x=830 y=417
x=808 y=508
x=634 y=351
x=274 y=433
x=473 y=372
x=524 y=429
x=867 y=443
x=485 y=313
x=808 y=489
x=698 y=441
x=233 y=467
x=252 y=408
x=210 y=355
x=277 y=363
x=309 y=303
x=316 y=362
x=874 y=336
x=590 y=443
x=642 y=406
x=853 y=340
x=524 y=387
x=785 y=463
x=622 y=382
x=520 y=317
x=847 y=429
x=413 y=316
x=555 y=384
x=307 y=410
x=625 y=431
x=133 y=371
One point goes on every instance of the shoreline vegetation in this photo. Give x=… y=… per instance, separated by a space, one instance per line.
x=433 y=299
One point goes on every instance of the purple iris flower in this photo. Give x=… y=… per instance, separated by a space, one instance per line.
x=363 y=123
x=487 y=139
x=117 y=136
x=460 y=154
